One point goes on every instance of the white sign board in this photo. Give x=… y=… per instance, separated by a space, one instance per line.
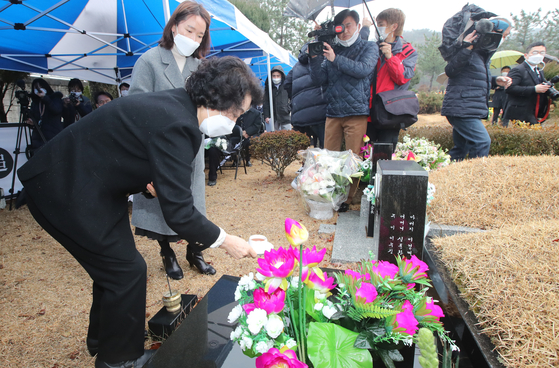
x=8 y=140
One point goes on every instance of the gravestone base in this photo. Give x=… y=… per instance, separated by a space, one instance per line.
x=164 y=323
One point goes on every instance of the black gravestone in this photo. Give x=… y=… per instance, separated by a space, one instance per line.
x=381 y=151
x=401 y=202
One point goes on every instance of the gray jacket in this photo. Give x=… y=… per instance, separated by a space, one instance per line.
x=157 y=70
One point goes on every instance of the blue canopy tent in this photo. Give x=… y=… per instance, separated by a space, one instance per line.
x=100 y=40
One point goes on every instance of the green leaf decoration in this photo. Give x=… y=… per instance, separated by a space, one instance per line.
x=386 y=358
x=331 y=346
x=362 y=341
x=362 y=311
x=395 y=355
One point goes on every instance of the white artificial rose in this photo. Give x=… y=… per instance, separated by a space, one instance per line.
x=318 y=306
x=235 y=314
x=247 y=282
x=235 y=334
x=274 y=326
x=259 y=277
x=256 y=320
x=291 y=343
x=245 y=343
x=294 y=282
x=329 y=311
x=261 y=347
x=238 y=293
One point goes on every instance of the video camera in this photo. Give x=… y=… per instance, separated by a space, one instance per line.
x=552 y=92
x=488 y=37
x=326 y=33
x=22 y=96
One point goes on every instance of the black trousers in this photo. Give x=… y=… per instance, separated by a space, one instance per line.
x=117 y=316
x=214 y=155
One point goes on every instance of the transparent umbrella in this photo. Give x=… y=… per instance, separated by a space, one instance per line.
x=309 y=9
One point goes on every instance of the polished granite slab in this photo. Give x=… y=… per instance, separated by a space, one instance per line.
x=202 y=340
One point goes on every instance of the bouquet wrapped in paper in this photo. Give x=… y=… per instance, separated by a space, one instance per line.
x=327 y=175
x=218 y=142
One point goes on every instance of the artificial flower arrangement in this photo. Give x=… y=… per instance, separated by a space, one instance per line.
x=326 y=175
x=292 y=319
x=218 y=142
x=367 y=163
x=426 y=153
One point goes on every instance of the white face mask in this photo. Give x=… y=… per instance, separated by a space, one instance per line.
x=124 y=93
x=77 y=94
x=383 y=34
x=185 y=45
x=535 y=59
x=217 y=125
x=351 y=41
x=276 y=80
x=504 y=74
x=40 y=90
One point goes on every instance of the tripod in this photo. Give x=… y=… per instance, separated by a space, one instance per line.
x=22 y=129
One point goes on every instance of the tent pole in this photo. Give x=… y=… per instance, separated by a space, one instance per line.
x=166 y=10
x=270 y=93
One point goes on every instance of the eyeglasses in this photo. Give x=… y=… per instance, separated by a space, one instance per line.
x=103 y=102
x=537 y=53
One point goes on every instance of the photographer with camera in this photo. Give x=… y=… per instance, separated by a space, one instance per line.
x=76 y=105
x=45 y=112
x=347 y=66
x=469 y=79
x=529 y=95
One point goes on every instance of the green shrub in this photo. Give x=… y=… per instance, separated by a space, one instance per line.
x=278 y=149
x=430 y=102
x=504 y=141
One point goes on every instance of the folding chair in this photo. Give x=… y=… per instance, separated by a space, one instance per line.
x=234 y=151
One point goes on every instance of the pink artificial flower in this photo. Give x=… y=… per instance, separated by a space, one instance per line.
x=416 y=262
x=357 y=276
x=405 y=320
x=295 y=232
x=436 y=311
x=311 y=259
x=367 y=291
x=411 y=156
x=276 y=266
x=271 y=303
x=383 y=269
x=276 y=359
x=366 y=138
x=318 y=284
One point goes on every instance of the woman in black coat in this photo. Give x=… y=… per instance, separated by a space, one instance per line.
x=45 y=112
x=77 y=189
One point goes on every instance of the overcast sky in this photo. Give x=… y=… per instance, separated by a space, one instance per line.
x=432 y=14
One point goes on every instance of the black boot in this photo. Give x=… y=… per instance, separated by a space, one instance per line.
x=92 y=346
x=196 y=259
x=169 y=259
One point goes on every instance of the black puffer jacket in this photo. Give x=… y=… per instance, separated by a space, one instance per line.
x=47 y=113
x=469 y=82
x=348 y=78
x=280 y=100
x=308 y=100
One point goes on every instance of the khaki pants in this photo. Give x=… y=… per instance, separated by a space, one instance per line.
x=352 y=128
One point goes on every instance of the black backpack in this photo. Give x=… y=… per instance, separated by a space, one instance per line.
x=453 y=29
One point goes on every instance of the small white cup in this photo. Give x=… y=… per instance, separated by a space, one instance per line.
x=260 y=244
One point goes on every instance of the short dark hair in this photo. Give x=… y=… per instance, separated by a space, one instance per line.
x=101 y=93
x=223 y=83
x=123 y=85
x=75 y=82
x=183 y=11
x=505 y=67
x=339 y=18
x=534 y=44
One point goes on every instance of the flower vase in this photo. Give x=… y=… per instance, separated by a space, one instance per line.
x=320 y=210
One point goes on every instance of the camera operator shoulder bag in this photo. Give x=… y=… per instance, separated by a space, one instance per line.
x=396 y=109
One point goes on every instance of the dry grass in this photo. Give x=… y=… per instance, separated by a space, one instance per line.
x=45 y=295
x=509 y=278
x=489 y=193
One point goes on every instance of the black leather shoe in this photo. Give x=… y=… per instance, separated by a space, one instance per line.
x=196 y=259
x=171 y=265
x=249 y=164
x=343 y=207
x=136 y=363
x=92 y=346
x=211 y=183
